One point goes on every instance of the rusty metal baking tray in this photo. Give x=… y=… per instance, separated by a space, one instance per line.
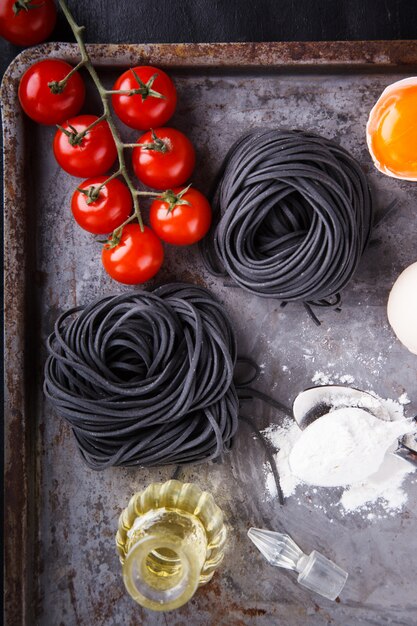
x=60 y=517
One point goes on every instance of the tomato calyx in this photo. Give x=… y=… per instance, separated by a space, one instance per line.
x=157 y=144
x=114 y=240
x=116 y=235
x=145 y=89
x=174 y=199
x=92 y=193
x=25 y=5
x=57 y=87
x=75 y=138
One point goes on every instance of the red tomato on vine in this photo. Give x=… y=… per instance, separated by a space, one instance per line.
x=46 y=97
x=152 y=101
x=165 y=159
x=181 y=217
x=27 y=22
x=82 y=151
x=101 y=208
x=135 y=258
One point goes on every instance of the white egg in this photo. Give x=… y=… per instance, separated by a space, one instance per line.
x=402 y=308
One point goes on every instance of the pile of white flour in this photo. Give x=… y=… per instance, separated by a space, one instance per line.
x=353 y=452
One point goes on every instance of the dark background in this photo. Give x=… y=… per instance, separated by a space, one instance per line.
x=235 y=20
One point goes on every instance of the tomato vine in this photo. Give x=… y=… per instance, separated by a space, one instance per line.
x=105 y=94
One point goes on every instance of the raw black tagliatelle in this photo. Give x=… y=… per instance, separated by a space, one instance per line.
x=146 y=378
x=293 y=217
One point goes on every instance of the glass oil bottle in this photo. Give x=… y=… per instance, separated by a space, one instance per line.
x=170 y=541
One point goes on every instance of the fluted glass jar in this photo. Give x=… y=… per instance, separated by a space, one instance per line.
x=170 y=541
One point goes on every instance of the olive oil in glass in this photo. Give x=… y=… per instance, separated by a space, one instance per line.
x=170 y=541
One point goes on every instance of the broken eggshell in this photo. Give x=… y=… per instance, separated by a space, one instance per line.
x=391 y=132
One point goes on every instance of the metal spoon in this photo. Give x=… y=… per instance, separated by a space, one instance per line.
x=315 y=402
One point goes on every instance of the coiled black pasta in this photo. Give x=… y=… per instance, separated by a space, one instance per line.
x=146 y=378
x=294 y=215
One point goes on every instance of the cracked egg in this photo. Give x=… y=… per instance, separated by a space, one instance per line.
x=391 y=131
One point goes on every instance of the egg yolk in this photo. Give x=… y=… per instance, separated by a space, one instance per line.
x=393 y=132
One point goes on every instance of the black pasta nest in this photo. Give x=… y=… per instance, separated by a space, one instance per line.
x=146 y=378
x=294 y=215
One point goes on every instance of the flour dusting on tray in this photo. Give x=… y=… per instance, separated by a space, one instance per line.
x=380 y=483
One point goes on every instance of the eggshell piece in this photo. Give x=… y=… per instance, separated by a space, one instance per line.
x=391 y=131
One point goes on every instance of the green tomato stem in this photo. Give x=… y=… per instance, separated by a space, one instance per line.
x=58 y=86
x=116 y=235
x=157 y=146
x=122 y=92
x=93 y=192
x=25 y=5
x=120 y=228
x=102 y=118
x=74 y=137
x=144 y=89
x=114 y=175
x=86 y=61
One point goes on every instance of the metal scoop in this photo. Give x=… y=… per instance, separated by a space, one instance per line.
x=315 y=402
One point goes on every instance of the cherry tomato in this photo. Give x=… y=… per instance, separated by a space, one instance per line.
x=136 y=258
x=44 y=105
x=27 y=22
x=145 y=109
x=105 y=209
x=179 y=223
x=91 y=155
x=168 y=162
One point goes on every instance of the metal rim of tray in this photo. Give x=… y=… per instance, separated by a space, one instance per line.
x=20 y=498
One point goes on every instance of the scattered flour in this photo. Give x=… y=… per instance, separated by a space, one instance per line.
x=321 y=378
x=270 y=484
x=343 y=447
x=395 y=410
x=404 y=399
x=384 y=486
x=347 y=379
x=284 y=438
